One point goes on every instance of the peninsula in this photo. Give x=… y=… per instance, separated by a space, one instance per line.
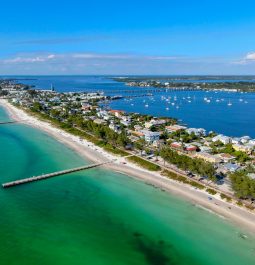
x=156 y=150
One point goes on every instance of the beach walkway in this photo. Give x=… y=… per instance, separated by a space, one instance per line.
x=50 y=175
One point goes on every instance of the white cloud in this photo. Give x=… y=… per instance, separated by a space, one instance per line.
x=250 y=56
x=100 y=56
x=78 y=57
x=30 y=59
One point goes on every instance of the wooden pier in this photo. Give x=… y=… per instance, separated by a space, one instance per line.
x=8 y=122
x=50 y=175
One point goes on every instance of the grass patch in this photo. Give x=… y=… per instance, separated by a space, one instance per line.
x=225 y=197
x=144 y=163
x=211 y=191
x=239 y=203
x=114 y=150
x=182 y=179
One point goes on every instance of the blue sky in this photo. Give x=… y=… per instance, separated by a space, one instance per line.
x=127 y=37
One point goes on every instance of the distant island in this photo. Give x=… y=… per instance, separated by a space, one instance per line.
x=222 y=83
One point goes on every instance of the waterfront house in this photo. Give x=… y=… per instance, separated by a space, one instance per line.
x=245 y=139
x=222 y=138
x=117 y=113
x=236 y=140
x=197 y=131
x=252 y=142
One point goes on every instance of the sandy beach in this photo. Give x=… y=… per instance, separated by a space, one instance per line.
x=240 y=216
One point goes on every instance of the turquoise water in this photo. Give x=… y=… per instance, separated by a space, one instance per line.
x=99 y=217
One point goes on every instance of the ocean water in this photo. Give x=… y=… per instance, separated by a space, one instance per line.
x=100 y=217
x=236 y=120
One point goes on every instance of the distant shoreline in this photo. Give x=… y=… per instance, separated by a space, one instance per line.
x=239 y=216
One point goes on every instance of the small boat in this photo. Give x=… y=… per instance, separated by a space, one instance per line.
x=146 y=105
x=217 y=100
x=229 y=103
x=167 y=108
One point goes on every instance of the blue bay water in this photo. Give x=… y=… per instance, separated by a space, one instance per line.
x=98 y=216
x=235 y=120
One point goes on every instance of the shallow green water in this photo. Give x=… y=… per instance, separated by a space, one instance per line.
x=100 y=217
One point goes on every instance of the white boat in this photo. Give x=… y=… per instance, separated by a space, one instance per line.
x=146 y=105
x=167 y=108
x=217 y=100
x=229 y=103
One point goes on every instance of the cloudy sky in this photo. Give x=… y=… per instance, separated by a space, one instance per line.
x=127 y=37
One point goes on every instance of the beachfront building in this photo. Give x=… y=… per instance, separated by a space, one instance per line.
x=245 y=139
x=197 y=131
x=117 y=113
x=222 y=138
x=150 y=136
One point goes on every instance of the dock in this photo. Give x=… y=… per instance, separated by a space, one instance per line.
x=50 y=175
x=7 y=122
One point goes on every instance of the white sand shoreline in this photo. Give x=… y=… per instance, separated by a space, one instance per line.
x=240 y=216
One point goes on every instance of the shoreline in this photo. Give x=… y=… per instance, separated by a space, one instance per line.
x=236 y=215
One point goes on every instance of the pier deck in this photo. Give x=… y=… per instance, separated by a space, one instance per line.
x=7 y=122
x=50 y=175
